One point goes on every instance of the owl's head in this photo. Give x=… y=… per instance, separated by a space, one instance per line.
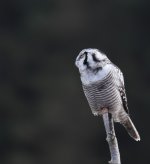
x=90 y=59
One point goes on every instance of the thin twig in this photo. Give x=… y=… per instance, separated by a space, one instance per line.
x=111 y=138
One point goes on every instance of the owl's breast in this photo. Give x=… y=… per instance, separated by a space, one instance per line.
x=103 y=94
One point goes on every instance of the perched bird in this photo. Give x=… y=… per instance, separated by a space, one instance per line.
x=103 y=86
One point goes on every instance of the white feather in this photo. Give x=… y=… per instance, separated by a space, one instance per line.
x=88 y=77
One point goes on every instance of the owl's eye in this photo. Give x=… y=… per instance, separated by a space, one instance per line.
x=95 y=58
x=81 y=56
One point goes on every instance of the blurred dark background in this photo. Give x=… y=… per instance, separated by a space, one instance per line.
x=44 y=116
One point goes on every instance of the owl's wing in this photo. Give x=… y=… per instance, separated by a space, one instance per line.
x=120 y=84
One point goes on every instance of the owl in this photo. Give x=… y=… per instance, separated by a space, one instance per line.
x=103 y=86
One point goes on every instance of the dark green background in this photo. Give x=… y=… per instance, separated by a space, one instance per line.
x=44 y=116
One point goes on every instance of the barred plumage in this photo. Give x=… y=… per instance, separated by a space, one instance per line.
x=103 y=94
x=103 y=85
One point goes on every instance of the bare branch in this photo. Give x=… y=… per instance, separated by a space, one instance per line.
x=111 y=138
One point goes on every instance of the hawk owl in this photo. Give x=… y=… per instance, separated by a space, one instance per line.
x=103 y=86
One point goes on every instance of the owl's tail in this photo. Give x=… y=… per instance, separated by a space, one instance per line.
x=129 y=126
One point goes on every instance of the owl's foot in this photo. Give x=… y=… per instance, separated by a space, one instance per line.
x=103 y=111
